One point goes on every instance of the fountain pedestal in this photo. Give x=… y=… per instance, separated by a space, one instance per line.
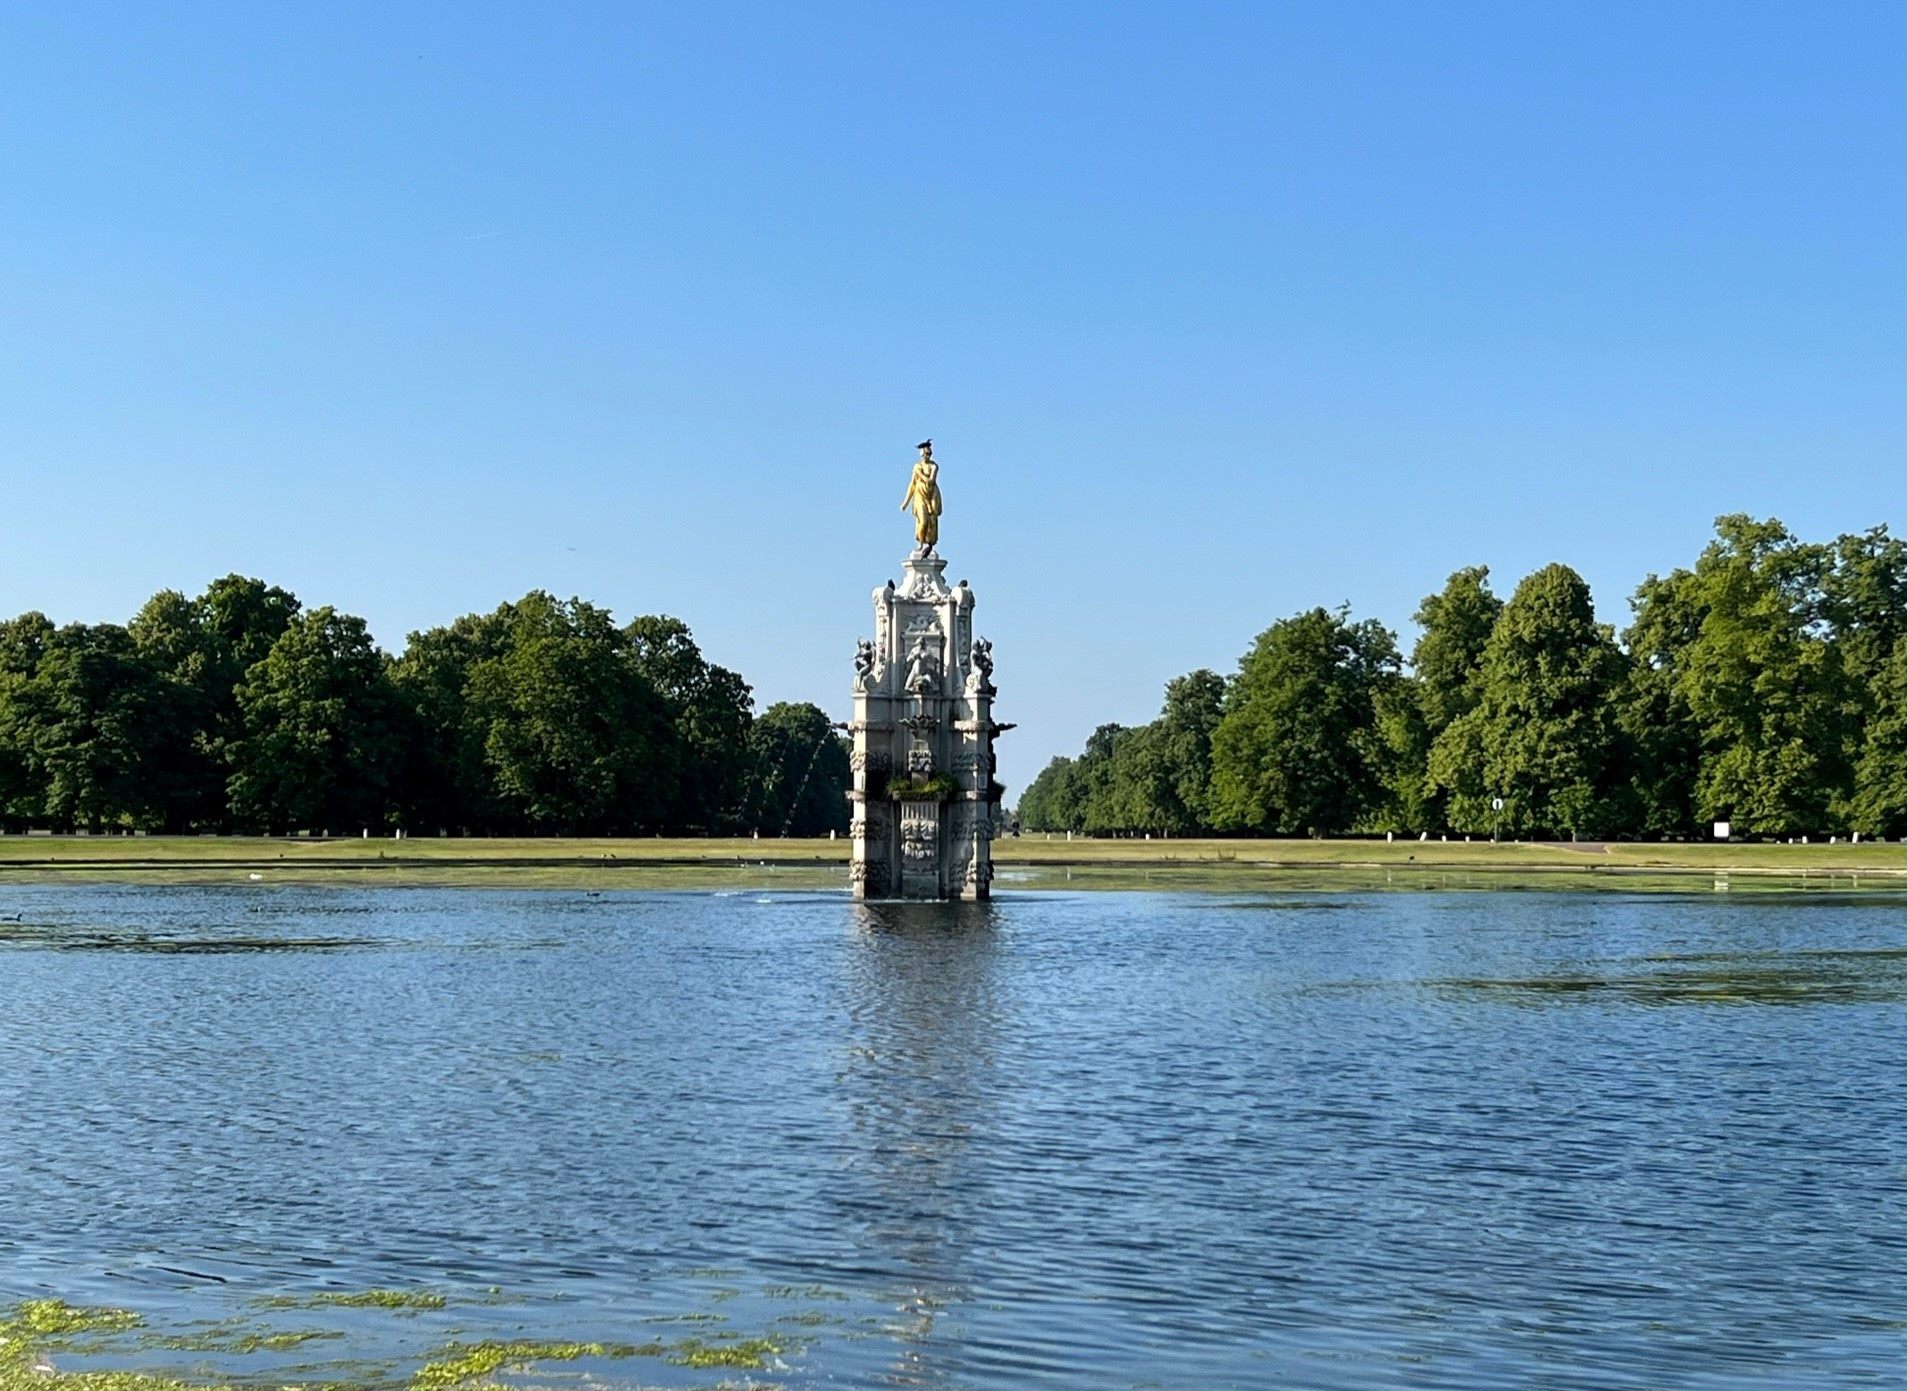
x=924 y=799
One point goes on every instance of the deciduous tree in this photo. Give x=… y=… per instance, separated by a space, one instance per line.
x=800 y=772
x=1295 y=751
x=320 y=728
x=1543 y=735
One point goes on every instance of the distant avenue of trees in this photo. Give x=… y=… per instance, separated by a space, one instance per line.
x=241 y=710
x=1766 y=687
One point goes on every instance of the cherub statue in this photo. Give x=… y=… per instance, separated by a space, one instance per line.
x=980 y=682
x=863 y=664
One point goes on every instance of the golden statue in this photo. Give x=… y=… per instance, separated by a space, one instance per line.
x=923 y=495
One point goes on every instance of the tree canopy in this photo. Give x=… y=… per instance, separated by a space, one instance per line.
x=1766 y=687
x=241 y=710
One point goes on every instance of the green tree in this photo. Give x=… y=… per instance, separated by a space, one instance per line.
x=799 y=776
x=1738 y=642
x=1543 y=735
x=1155 y=778
x=321 y=732
x=576 y=739
x=1194 y=706
x=1448 y=658
x=1863 y=599
x=710 y=709
x=1878 y=805
x=1445 y=684
x=205 y=647
x=1117 y=797
x=97 y=727
x=447 y=782
x=23 y=644
x=1864 y=605
x=1664 y=745
x=1296 y=750
x=1401 y=760
x=1053 y=801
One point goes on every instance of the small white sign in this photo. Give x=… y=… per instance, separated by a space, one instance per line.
x=1496 y=804
x=1721 y=830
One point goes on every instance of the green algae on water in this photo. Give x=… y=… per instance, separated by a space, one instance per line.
x=35 y=1324
x=749 y=1353
x=243 y=1343
x=55 y=1318
x=475 y=1362
x=357 y=1299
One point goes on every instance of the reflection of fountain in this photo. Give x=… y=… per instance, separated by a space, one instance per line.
x=926 y=1017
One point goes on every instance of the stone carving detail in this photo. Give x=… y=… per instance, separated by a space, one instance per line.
x=870 y=876
x=869 y=823
x=962 y=626
x=920 y=759
x=979 y=872
x=923 y=583
x=980 y=682
x=923 y=666
x=870 y=761
x=883 y=608
x=863 y=664
x=918 y=834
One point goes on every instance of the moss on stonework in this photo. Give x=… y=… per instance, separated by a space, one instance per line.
x=937 y=788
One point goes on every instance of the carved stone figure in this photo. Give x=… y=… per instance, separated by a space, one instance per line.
x=863 y=664
x=923 y=497
x=923 y=666
x=981 y=681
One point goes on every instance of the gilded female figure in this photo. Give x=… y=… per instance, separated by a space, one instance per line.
x=923 y=496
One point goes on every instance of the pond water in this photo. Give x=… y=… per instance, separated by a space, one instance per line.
x=1459 y=1140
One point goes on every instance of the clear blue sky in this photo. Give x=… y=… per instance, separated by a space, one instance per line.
x=1215 y=312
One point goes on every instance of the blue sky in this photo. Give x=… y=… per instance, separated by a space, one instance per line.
x=1215 y=312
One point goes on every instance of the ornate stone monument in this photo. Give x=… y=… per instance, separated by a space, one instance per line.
x=924 y=799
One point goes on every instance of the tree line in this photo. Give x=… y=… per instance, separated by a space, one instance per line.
x=241 y=710
x=1765 y=687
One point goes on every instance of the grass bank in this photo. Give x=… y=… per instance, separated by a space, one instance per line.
x=1033 y=861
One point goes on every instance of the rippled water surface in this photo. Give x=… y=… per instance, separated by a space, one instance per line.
x=1179 y=1140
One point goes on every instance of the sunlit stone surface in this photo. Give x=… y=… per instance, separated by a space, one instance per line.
x=923 y=794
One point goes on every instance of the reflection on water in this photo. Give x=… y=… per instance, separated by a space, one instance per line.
x=921 y=1079
x=1284 y=1139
